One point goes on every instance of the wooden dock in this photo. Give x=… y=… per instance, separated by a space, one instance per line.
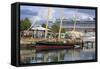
x=88 y=44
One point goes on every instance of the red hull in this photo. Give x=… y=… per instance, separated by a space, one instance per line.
x=40 y=47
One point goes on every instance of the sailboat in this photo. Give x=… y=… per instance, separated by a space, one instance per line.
x=46 y=45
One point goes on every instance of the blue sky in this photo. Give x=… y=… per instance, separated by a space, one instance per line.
x=38 y=13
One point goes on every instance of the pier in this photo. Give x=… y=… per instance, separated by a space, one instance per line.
x=87 y=44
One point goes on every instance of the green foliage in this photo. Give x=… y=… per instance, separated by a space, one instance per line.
x=63 y=30
x=44 y=25
x=25 y=24
x=55 y=28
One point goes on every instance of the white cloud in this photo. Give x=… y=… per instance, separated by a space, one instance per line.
x=55 y=13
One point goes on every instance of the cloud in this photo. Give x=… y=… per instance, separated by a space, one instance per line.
x=28 y=12
x=39 y=13
x=80 y=14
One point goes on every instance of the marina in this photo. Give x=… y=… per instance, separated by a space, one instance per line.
x=56 y=38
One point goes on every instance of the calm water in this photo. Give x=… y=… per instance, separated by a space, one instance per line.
x=30 y=55
x=33 y=56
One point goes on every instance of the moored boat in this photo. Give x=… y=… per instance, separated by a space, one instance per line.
x=53 y=45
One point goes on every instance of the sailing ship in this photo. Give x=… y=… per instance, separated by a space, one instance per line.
x=47 y=45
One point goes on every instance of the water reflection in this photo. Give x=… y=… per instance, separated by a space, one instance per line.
x=34 y=56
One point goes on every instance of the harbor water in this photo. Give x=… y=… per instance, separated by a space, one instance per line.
x=34 y=56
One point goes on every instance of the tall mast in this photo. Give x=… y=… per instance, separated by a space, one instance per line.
x=75 y=17
x=48 y=14
x=61 y=19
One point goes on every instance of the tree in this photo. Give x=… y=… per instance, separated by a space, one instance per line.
x=55 y=28
x=25 y=24
x=44 y=25
x=63 y=30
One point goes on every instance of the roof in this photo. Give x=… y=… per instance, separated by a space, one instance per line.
x=39 y=28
